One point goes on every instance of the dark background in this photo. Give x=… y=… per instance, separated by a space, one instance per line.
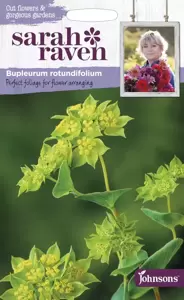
x=153 y=138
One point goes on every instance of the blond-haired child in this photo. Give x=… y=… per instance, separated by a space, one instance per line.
x=153 y=47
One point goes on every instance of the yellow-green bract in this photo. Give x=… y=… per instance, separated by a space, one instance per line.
x=77 y=139
x=48 y=276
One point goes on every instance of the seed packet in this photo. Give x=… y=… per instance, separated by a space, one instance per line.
x=92 y=163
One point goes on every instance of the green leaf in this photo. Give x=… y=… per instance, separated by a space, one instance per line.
x=114 y=108
x=68 y=258
x=8 y=295
x=21 y=275
x=83 y=264
x=100 y=248
x=78 y=160
x=175 y=161
x=7 y=278
x=176 y=168
x=80 y=274
x=15 y=261
x=92 y=158
x=115 y=131
x=169 y=220
x=42 y=296
x=123 y=120
x=90 y=101
x=54 y=250
x=35 y=255
x=107 y=227
x=120 y=294
x=51 y=138
x=129 y=264
x=70 y=128
x=100 y=147
x=159 y=260
x=74 y=109
x=45 y=149
x=16 y=281
x=88 y=109
x=105 y=199
x=64 y=184
x=88 y=278
x=58 y=117
x=162 y=172
x=102 y=106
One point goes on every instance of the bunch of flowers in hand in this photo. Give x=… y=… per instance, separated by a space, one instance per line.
x=149 y=79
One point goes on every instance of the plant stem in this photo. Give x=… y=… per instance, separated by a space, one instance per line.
x=174 y=234
x=52 y=179
x=125 y=285
x=106 y=180
x=157 y=294
x=104 y=169
x=77 y=193
x=169 y=204
x=114 y=211
x=169 y=210
x=119 y=257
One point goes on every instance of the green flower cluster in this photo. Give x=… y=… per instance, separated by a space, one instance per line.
x=77 y=140
x=163 y=182
x=114 y=236
x=48 y=276
x=51 y=157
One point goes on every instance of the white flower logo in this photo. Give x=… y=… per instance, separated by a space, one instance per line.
x=142 y=273
x=141 y=276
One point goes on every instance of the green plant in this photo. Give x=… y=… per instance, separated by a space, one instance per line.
x=163 y=184
x=78 y=141
x=48 y=276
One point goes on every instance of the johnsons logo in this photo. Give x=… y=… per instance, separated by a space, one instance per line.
x=148 y=278
x=63 y=46
x=159 y=278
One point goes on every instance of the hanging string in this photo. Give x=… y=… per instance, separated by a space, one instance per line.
x=167 y=11
x=166 y=16
x=133 y=11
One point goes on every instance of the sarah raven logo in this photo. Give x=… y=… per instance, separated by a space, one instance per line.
x=160 y=278
x=65 y=45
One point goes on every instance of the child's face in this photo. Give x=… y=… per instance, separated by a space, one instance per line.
x=152 y=51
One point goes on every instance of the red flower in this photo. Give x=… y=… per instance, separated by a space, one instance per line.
x=157 y=68
x=166 y=76
x=166 y=88
x=163 y=64
x=152 y=79
x=142 y=85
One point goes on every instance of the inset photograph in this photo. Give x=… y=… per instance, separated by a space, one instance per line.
x=150 y=54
